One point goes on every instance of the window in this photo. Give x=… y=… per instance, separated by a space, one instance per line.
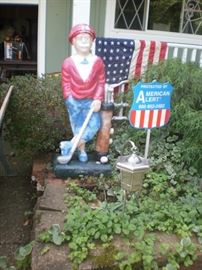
x=182 y=16
x=192 y=17
x=129 y=14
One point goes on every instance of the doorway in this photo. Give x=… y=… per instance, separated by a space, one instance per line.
x=18 y=38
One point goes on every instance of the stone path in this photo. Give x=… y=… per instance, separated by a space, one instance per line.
x=50 y=209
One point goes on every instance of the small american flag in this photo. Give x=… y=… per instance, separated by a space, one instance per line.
x=126 y=58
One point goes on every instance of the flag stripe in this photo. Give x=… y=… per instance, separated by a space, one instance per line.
x=139 y=58
x=133 y=117
x=150 y=122
x=157 y=54
x=155 y=115
x=152 y=52
x=137 y=120
x=163 y=51
x=134 y=60
x=167 y=117
x=158 y=119
x=163 y=115
x=142 y=115
x=146 y=118
x=145 y=57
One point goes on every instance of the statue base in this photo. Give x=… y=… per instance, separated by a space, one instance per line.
x=76 y=168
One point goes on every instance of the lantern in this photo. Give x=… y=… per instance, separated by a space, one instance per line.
x=132 y=169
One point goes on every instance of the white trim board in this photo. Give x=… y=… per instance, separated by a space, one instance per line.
x=22 y=2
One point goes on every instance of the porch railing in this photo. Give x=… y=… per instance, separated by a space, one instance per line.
x=187 y=53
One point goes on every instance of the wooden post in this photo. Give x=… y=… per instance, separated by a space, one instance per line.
x=3 y=160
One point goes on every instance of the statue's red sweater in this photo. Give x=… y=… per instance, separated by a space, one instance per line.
x=73 y=84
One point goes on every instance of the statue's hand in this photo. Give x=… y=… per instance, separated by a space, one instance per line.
x=96 y=105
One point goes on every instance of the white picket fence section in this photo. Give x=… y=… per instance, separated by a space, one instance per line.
x=187 y=53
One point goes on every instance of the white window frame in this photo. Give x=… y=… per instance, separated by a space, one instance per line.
x=171 y=37
x=41 y=38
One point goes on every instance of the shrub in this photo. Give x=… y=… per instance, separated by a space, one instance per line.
x=36 y=118
x=185 y=124
x=186 y=106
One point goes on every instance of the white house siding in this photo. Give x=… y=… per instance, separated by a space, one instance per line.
x=81 y=11
x=58 y=24
x=81 y=14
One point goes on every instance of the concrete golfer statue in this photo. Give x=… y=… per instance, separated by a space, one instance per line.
x=83 y=82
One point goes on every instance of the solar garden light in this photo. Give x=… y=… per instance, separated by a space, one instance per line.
x=132 y=169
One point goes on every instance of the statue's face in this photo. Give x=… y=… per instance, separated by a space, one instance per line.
x=83 y=43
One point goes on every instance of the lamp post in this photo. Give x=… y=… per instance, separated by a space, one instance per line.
x=132 y=169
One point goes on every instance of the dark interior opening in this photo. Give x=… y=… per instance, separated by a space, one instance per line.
x=18 y=36
x=20 y=20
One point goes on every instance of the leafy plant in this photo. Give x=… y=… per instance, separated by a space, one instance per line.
x=23 y=256
x=135 y=221
x=4 y=264
x=53 y=235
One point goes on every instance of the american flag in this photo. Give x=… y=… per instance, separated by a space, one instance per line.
x=126 y=58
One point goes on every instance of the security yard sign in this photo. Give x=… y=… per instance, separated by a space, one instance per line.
x=151 y=105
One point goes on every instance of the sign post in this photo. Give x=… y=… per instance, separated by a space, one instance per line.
x=150 y=107
x=147 y=143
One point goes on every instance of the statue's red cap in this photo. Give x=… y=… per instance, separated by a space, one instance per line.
x=81 y=28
